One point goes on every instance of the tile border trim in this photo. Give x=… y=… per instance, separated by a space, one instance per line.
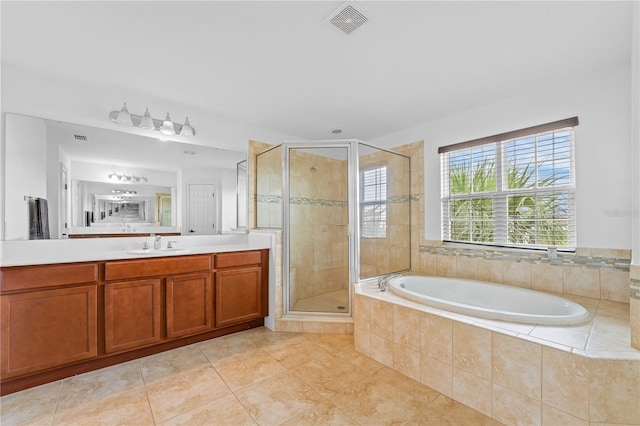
x=277 y=199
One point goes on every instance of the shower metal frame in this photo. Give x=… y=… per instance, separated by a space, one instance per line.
x=286 y=223
x=353 y=182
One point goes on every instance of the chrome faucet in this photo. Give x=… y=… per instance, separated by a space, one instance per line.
x=157 y=242
x=383 y=282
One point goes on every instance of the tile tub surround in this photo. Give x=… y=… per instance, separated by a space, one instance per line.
x=253 y=377
x=595 y=273
x=514 y=373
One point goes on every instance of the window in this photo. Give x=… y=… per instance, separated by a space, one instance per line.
x=373 y=202
x=512 y=189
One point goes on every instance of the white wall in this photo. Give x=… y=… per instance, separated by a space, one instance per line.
x=635 y=133
x=600 y=100
x=28 y=174
x=53 y=187
x=38 y=95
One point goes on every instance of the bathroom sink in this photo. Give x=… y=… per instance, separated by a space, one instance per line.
x=150 y=252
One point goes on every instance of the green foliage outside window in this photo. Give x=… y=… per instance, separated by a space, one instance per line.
x=538 y=219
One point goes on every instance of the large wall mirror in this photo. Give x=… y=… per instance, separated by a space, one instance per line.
x=65 y=180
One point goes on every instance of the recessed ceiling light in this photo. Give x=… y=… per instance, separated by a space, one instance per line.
x=336 y=131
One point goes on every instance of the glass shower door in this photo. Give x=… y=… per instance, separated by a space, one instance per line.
x=317 y=234
x=385 y=211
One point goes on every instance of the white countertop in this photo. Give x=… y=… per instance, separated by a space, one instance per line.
x=40 y=252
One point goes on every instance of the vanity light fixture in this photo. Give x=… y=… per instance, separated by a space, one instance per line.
x=145 y=121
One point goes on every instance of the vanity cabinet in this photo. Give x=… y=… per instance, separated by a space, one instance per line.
x=177 y=289
x=240 y=295
x=49 y=317
x=132 y=314
x=66 y=319
x=189 y=304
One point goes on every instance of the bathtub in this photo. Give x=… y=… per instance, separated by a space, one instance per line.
x=488 y=300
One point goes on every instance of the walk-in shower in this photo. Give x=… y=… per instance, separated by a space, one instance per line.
x=344 y=208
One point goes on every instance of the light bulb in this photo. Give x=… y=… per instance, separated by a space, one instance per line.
x=147 y=122
x=123 y=116
x=167 y=126
x=187 y=130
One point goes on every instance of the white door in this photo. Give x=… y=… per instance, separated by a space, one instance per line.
x=202 y=209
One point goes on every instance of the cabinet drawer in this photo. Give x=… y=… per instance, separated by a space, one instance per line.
x=41 y=276
x=118 y=270
x=241 y=258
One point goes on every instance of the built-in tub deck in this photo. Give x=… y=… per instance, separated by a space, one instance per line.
x=605 y=335
x=516 y=373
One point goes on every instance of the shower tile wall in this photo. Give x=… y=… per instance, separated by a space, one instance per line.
x=319 y=225
x=634 y=293
x=379 y=256
x=415 y=151
x=255 y=148
x=269 y=189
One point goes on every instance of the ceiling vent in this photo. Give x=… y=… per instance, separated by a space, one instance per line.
x=80 y=137
x=349 y=17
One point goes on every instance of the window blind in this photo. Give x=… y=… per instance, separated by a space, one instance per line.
x=517 y=191
x=373 y=202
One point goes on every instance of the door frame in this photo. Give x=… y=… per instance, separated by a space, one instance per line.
x=218 y=202
x=64 y=201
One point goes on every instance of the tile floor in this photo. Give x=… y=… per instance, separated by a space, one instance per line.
x=252 y=377
x=335 y=302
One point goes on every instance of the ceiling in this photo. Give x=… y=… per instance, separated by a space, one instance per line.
x=281 y=66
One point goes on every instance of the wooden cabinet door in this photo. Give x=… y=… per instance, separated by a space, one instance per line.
x=238 y=295
x=132 y=314
x=189 y=304
x=46 y=329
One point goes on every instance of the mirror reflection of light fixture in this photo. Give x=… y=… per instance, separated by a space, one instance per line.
x=167 y=126
x=145 y=121
x=187 y=130
x=123 y=177
x=123 y=116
